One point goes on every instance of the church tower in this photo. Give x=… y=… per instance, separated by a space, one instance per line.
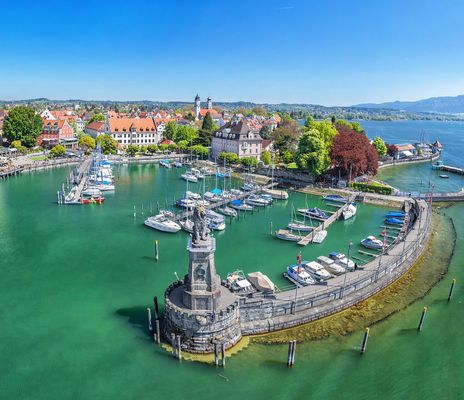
x=209 y=103
x=197 y=106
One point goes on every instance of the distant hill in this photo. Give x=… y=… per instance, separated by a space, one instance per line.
x=442 y=105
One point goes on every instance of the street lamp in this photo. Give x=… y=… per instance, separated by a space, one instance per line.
x=344 y=276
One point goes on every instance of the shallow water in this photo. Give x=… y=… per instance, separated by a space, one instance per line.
x=76 y=282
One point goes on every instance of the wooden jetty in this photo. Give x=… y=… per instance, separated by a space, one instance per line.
x=10 y=172
x=450 y=168
x=325 y=224
x=220 y=203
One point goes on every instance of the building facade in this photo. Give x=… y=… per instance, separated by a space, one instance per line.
x=56 y=132
x=137 y=131
x=236 y=137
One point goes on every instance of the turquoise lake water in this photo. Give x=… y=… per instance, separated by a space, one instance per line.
x=75 y=283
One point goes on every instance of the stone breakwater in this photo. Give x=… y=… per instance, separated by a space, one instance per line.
x=265 y=313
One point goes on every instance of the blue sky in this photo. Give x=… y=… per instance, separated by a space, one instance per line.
x=320 y=52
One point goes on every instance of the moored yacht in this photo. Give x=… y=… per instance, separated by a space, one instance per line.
x=298 y=274
x=342 y=260
x=349 y=211
x=189 y=177
x=163 y=223
x=371 y=242
x=316 y=270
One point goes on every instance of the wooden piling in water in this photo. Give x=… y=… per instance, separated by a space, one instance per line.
x=291 y=353
x=150 y=326
x=364 y=342
x=156 y=250
x=216 y=355
x=223 y=354
x=157 y=331
x=173 y=342
x=422 y=318
x=453 y=282
x=179 y=349
x=270 y=228
x=155 y=303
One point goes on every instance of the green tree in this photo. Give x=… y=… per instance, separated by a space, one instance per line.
x=170 y=130
x=16 y=144
x=132 y=149
x=86 y=142
x=173 y=147
x=187 y=133
x=152 y=148
x=265 y=132
x=327 y=131
x=97 y=117
x=287 y=157
x=22 y=123
x=58 y=151
x=266 y=157
x=200 y=150
x=208 y=123
x=183 y=145
x=258 y=110
x=285 y=137
x=163 y=147
x=379 y=146
x=143 y=149
x=107 y=144
x=249 y=161
x=313 y=154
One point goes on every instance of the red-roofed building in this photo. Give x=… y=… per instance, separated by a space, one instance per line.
x=138 y=131
x=56 y=132
x=168 y=142
x=95 y=128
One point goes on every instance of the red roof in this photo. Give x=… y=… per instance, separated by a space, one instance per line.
x=96 y=126
x=265 y=144
x=168 y=142
x=126 y=124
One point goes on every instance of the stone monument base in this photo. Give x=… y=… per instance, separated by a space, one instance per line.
x=199 y=330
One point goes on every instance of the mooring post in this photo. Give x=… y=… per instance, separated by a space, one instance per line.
x=422 y=318
x=290 y=353
x=156 y=250
x=150 y=327
x=364 y=342
x=223 y=354
x=173 y=342
x=134 y=212
x=155 y=303
x=451 y=289
x=157 y=331
x=216 y=355
x=270 y=227
x=294 y=352
x=179 y=349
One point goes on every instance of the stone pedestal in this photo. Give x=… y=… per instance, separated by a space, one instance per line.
x=199 y=308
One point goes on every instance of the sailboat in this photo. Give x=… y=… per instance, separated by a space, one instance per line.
x=296 y=225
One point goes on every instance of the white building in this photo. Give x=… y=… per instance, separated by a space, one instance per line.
x=236 y=137
x=138 y=131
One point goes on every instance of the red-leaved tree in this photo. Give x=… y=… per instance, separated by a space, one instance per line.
x=352 y=150
x=391 y=149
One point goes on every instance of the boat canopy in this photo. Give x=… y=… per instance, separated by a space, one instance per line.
x=261 y=282
x=216 y=191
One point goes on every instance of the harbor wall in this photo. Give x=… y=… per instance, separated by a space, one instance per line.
x=288 y=309
x=407 y=161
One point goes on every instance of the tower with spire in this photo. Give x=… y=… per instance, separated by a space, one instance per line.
x=209 y=103
x=197 y=107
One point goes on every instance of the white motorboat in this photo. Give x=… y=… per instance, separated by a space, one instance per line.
x=236 y=192
x=204 y=203
x=371 y=242
x=342 y=260
x=177 y=164
x=189 y=177
x=162 y=223
x=336 y=198
x=165 y=163
x=238 y=283
x=91 y=191
x=317 y=270
x=277 y=194
x=249 y=186
x=330 y=265
x=215 y=224
x=192 y=195
x=349 y=211
x=240 y=205
x=299 y=226
x=186 y=203
x=230 y=212
x=298 y=274
x=320 y=236
x=214 y=215
x=104 y=187
x=256 y=200
x=197 y=173
x=213 y=196
x=187 y=225
x=288 y=235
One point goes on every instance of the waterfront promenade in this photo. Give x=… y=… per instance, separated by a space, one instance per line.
x=267 y=313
